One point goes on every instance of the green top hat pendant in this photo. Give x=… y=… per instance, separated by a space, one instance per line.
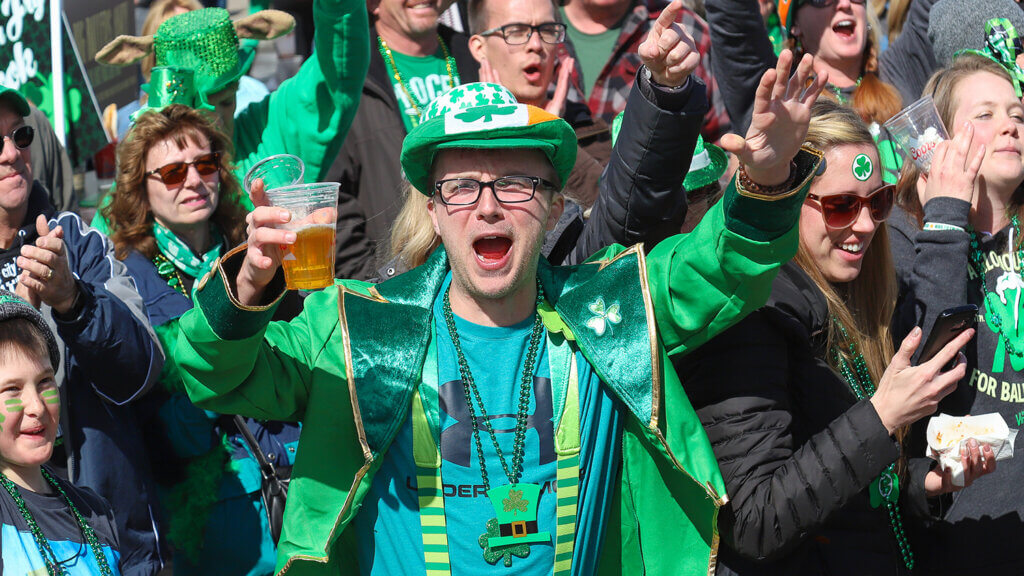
x=515 y=506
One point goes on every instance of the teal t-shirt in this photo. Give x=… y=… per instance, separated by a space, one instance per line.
x=592 y=51
x=425 y=77
x=388 y=525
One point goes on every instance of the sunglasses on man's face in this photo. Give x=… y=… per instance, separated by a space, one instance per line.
x=175 y=173
x=22 y=138
x=841 y=210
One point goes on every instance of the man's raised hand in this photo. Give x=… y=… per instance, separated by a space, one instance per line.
x=668 y=51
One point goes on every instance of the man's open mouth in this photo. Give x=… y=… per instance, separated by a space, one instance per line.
x=492 y=251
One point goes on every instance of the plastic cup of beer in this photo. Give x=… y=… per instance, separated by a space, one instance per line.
x=309 y=262
x=918 y=130
x=276 y=171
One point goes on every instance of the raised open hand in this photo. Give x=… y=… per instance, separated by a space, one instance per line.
x=668 y=51
x=778 y=125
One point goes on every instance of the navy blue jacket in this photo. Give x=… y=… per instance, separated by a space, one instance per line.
x=109 y=358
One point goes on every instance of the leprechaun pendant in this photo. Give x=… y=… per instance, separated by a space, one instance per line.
x=514 y=526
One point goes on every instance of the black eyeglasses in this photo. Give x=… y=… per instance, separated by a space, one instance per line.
x=515 y=34
x=841 y=210
x=22 y=138
x=507 y=189
x=175 y=173
x=827 y=3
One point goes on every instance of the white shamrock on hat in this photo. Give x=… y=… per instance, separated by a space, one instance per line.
x=466 y=96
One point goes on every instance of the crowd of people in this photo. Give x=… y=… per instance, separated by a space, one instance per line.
x=621 y=287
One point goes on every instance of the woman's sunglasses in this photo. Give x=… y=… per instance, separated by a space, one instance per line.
x=842 y=210
x=175 y=173
x=22 y=138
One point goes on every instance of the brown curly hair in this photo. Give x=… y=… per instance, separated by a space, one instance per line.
x=129 y=213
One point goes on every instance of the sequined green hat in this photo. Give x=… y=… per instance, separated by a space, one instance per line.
x=170 y=85
x=204 y=40
x=484 y=116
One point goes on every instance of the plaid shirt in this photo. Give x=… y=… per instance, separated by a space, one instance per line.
x=612 y=87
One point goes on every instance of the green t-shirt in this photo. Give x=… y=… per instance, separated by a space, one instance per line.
x=425 y=77
x=592 y=51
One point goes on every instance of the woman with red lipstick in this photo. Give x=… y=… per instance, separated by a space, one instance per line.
x=807 y=426
x=957 y=240
x=170 y=220
x=841 y=34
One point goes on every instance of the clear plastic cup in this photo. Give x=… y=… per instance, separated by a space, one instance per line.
x=309 y=262
x=918 y=130
x=276 y=171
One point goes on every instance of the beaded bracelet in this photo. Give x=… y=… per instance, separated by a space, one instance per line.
x=749 y=185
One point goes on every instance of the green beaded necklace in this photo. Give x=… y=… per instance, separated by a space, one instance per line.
x=473 y=393
x=53 y=566
x=169 y=272
x=838 y=92
x=886 y=486
x=992 y=310
x=389 y=58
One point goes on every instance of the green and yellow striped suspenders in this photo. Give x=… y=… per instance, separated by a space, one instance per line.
x=427 y=456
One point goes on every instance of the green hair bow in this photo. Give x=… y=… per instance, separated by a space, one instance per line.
x=1002 y=45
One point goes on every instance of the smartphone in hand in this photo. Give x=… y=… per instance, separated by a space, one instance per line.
x=948 y=326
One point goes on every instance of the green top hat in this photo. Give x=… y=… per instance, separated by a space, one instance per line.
x=485 y=116
x=205 y=41
x=515 y=508
x=707 y=166
x=15 y=99
x=170 y=85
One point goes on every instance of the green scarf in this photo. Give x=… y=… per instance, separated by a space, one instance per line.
x=175 y=250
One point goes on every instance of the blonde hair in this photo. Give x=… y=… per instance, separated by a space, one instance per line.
x=942 y=88
x=864 y=305
x=159 y=12
x=412 y=235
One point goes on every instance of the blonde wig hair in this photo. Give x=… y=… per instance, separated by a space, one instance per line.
x=129 y=214
x=412 y=235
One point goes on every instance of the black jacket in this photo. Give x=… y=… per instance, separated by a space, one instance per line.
x=368 y=166
x=796 y=448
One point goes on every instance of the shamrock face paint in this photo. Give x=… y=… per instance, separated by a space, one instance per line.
x=863 y=168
